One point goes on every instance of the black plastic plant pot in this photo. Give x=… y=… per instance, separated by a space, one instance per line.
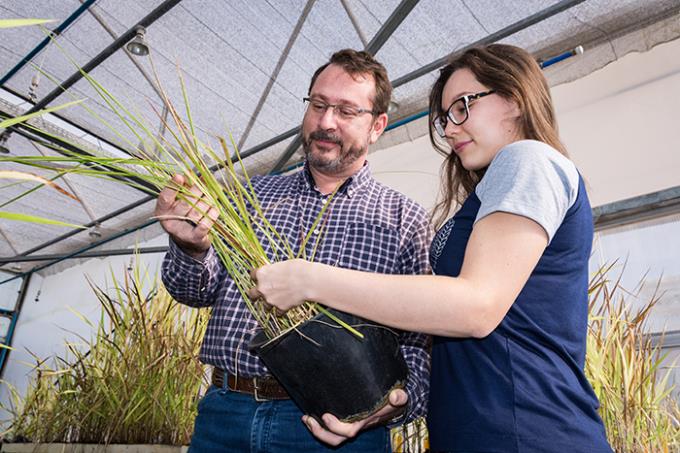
x=325 y=368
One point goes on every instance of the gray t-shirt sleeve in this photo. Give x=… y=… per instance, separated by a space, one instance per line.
x=531 y=179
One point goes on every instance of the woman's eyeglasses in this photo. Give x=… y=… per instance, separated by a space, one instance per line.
x=458 y=112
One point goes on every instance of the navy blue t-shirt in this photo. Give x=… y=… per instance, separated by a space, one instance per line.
x=522 y=388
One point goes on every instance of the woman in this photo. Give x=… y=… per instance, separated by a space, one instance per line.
x=508 y=304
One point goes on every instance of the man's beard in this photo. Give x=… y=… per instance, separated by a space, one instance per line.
x=345 y=158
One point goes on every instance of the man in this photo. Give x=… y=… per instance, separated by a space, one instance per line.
x=367 y=227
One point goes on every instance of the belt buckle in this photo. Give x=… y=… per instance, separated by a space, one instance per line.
x=256 y=395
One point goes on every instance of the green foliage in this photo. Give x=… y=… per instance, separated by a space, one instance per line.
x=624 y=369
x=240 y=216
x=137 y=380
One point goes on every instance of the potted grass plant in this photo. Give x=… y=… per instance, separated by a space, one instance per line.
x=310 y=329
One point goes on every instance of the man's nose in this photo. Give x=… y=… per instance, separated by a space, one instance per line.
x=328 y=119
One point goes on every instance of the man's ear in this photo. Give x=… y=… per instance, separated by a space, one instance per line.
x=378 y=127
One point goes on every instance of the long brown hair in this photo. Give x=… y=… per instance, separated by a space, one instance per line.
x=514 y=74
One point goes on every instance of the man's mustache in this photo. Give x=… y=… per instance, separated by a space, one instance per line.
x=325 y=136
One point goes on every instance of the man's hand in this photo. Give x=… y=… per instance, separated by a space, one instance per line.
x=338 y=432
x=187 y=225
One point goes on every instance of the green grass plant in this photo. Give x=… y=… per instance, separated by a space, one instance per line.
x=625 y=370
x=241 y=226
x=136 y=380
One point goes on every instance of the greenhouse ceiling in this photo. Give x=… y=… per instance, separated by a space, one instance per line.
x=246 y=65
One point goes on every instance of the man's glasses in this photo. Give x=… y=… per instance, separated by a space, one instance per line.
x=344 y=112
x=458 y=112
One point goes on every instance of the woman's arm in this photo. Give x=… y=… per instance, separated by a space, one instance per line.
x=501 y=254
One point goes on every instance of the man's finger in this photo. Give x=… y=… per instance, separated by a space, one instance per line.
x=320 y=433
x=339 y=428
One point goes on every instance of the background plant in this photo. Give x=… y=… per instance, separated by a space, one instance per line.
x=137 y=380
x=636 y=404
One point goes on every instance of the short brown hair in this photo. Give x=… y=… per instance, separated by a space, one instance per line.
x=359 y=62
x=513 y=74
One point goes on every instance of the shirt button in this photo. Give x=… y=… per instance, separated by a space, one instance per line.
x=324 y=201
x=316 y=231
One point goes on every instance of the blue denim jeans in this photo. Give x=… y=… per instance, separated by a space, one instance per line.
x=234 y=422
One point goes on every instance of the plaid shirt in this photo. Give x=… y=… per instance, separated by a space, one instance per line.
x=368 y=227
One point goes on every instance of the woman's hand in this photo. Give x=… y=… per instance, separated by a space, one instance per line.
x=283 y=285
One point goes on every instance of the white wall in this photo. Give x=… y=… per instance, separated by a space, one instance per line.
x=622 y=124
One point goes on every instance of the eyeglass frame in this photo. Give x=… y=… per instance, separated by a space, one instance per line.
x=335 y=107
x=448 y=117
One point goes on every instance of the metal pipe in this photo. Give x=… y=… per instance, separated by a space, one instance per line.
x=68 y=121
x=97 y=254
x=57 y=31
x=276 y=71
x=147 y=20
x=396 y=18
x=15 y=317
x=497 y=36
x=578 y=50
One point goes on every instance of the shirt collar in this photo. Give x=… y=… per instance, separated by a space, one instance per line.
x=354 y=184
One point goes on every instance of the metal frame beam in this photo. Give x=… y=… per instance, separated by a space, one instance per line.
x=355 y=23
x=57 y=31
x=391 y=24
x=68 y=121
x=497 y=36
x=276 y=71
x=96 y=254
x=637 y=209
x=14 y=318
x=123 y=39
x=50 y=141
x=514 y=28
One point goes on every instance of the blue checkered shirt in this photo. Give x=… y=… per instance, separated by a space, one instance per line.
x=368 y=227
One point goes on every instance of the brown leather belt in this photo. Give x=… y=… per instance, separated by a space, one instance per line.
x=263 y=388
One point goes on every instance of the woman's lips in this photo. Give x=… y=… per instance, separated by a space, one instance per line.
x=458 y=147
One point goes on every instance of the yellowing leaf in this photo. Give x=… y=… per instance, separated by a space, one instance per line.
x=20 y=175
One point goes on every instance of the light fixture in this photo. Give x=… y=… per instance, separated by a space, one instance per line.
x=3 y=143
x=138 y=46
x=392 y=108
